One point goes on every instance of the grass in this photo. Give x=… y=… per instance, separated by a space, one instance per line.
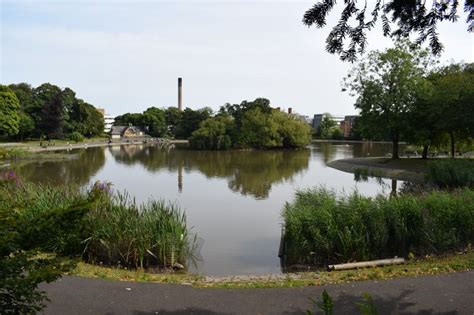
x=17 y=153
x=451 y=173
x=139 y=236
x=414 y=268
x=101 y=226
x=322 y=228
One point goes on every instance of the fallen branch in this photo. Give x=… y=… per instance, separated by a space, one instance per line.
x=365 y=264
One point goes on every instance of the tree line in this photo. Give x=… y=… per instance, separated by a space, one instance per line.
x=166 y=122
x=252 y=124
x=248 y=124
x=46 y=112
x=402 y=94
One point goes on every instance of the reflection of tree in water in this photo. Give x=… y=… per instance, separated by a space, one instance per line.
x=329 y=152
x=74 y=171
x=248 y=172
x=367 y=148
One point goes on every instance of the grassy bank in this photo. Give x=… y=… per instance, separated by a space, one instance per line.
x=21 y=154
x=413 y=268
x=322 y=228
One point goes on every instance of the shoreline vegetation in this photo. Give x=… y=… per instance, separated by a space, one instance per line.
x=439 y=171
x=430 y=265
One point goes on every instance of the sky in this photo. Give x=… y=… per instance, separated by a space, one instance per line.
x=126 y=56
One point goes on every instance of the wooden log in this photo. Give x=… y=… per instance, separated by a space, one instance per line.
x=365 y=264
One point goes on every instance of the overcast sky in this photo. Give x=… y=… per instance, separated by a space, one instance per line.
x=125 y=56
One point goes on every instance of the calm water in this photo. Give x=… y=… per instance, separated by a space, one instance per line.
x=232 y=199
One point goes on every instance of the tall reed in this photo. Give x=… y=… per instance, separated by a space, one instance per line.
x=152 y=234
x=322 y=228
x=451 y=173
x=99 y=225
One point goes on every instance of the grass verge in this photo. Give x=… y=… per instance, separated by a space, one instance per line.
x=421 y=267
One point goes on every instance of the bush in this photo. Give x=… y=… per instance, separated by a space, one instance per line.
x=451 y=173
x=322 y=228
x=76 y=137
x=23 y=263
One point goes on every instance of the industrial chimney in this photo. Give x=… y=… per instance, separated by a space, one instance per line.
x=180 y=94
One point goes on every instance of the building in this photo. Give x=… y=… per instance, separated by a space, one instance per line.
x=347 y=124
x=118 y=132
x=318 y=119
x=108 y=120
x=108 y=123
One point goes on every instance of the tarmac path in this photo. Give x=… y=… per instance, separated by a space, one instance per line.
x=444 y=294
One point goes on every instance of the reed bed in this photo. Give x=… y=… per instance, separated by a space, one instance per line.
x=323 y=228
x=98 y=225
x=451 y=173
x=152 y=234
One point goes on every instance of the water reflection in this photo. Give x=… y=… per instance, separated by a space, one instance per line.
x=248 y=172
x=76 y=171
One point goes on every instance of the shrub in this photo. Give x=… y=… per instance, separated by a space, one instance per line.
x=76 y=137
x=23 y=264
x=322 y=228
x=451 y=173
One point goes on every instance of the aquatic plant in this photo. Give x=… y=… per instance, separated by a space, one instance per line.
x=99 y=225
x=323 y=228
x=153 y=234
x=451 y=173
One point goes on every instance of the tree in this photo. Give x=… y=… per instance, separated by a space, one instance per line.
x=190 y=121
x=294 y=132
x=328 y=124
x=9 y=112
x=26 y=126
x=85 y=119
x=173 y=117
x=52 y=112
x=154 y=119
x=453 y=95
x=259 y=130
x=213 y=133
x=387 y=85
x=411 y=17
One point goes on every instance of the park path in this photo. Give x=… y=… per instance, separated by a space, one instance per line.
x=443 y=294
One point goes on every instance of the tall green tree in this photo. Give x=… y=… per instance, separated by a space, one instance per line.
x=327 y=127
x=453 y=100
x=52 y=112
x=190 y=121
x=387 y=84
x=9 y=112
x=85 y=119
x=154 y=119
x=173 y=117
x=213 y=133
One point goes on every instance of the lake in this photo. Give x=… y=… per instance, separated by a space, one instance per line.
x=233 y=199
